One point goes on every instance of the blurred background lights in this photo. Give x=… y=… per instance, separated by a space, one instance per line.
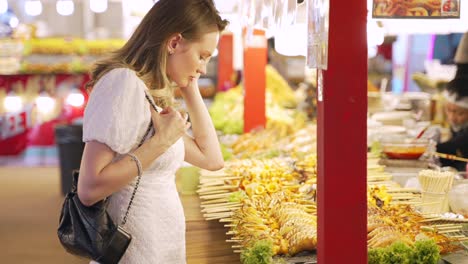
x=14 y=22
x=65 y=7
x=13 y=103
x=291 y=40
x=75 y=98
x=3 y=6
x=98 y=6
x=33 y=7
x=142 y=6
x=45 y=104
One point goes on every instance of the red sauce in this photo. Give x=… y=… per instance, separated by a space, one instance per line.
x=402 y=155
x=404 y=152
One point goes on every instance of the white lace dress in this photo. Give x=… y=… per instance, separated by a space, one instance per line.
x=118 y=114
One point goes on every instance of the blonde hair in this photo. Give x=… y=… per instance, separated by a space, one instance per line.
x=145 y=52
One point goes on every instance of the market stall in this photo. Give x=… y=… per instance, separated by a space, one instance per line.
x=318 y=168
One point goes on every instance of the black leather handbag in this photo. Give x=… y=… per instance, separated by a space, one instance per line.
x=89 y=231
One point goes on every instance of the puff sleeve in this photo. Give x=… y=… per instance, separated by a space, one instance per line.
x=117 y=113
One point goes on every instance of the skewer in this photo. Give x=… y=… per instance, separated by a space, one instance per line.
x=215 y=179
x=211 y=183
x=404 y=197
x=446 y=225
x=430 y=219
x=219 y=209
x=214 y=192
x=450 y=157
x=459 y=236
x=406 y=202
x=448 y=231
x=213 y=196
x=398 y=190
x=213 y=188
x=224 y=220
x=226 y=204
x=222 y=214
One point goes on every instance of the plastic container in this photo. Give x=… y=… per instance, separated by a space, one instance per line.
x=403 y=147
x=458 y=198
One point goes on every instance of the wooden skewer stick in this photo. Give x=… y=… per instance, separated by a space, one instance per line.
x=449 y=227
x=214 y=201
x=448 y=231
x=459 y=236
x=214 y=196
x=214 y=192
x=404 y=197
x=210 y=183
x=409 y=190
x=221 y=215
x=226 y=204
x=219 y=210
x=217 y=179
x=212 y=218
x=444 y=225
x=450 y=157
x=397 y=194
x=212 y=188
x=224 y=220
x=430 y=220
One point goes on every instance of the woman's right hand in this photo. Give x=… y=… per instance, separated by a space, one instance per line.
x=169 y=124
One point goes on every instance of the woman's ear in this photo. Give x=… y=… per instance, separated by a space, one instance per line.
x=173 y=43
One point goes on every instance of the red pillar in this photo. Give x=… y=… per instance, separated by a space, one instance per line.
x=342 y=206
x=255 y=59
x=225 y=61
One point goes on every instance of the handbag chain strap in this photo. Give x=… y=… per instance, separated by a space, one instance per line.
x=124 y=221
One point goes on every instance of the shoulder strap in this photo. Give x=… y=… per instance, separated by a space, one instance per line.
x=151 y=102
x=124 y=221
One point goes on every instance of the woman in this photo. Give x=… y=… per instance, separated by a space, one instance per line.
x=456 y=109
x=172 y=45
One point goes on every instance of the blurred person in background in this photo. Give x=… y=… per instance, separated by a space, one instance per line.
x=456 y=110
x=170 y=48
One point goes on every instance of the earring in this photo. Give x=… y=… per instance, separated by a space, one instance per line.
x=171 y=52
